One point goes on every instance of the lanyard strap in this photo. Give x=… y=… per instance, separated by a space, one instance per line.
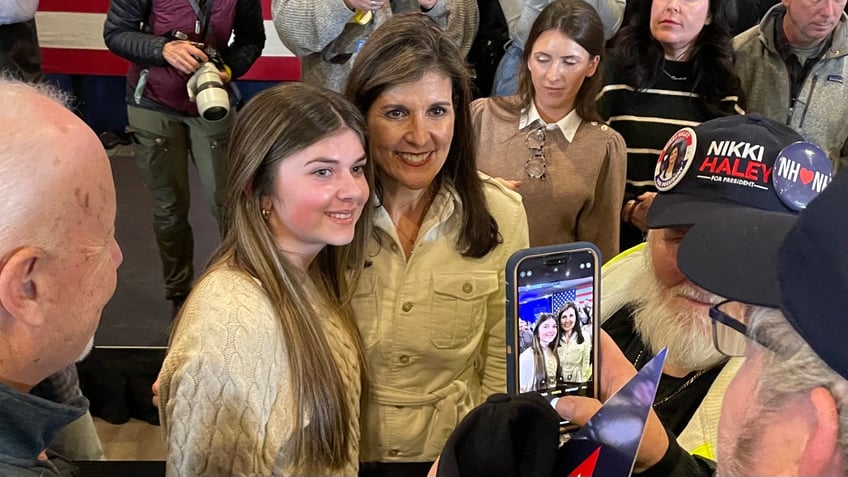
x=203 y=14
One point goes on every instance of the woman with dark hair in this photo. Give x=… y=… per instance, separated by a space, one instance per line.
x=611 y=13
x=430 y=303
x=264 y=364
x=672 y=159
x=539 y=366
x=551 y=140
x=672 y=66
x=574 y=349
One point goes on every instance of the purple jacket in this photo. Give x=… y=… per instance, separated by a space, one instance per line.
x=166 y=86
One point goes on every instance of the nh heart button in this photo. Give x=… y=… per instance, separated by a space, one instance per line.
x=806 y=175
x=801 y=171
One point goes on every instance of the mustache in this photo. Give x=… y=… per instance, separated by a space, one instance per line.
x=695 y=293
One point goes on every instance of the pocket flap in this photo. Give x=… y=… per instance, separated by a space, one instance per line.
x=465 y=286
x=367 y=284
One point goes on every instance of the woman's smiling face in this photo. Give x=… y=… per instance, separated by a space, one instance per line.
x=547 y=331
x=569 y=317
x=411 y=127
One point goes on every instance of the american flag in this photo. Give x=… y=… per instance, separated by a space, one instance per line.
x=576 y=295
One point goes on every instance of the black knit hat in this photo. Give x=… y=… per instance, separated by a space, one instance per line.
x=505 y=436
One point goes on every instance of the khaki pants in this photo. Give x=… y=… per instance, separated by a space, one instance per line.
x=162 y=144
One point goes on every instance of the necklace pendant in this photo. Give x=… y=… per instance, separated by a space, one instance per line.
x=674 y=78
x=536 y=168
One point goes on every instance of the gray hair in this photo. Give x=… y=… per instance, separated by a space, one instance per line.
x=43 y=89
x=25 y=214
x=793 y=367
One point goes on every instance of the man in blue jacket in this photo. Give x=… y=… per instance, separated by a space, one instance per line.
x=57 y=240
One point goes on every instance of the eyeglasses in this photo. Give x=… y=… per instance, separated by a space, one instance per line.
x=730 y=335
x=536 y=165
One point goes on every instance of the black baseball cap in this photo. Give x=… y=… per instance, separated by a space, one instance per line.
x=719 y=165
x=796 y=263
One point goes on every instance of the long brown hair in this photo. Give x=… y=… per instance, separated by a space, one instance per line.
x=276 y=123
x=577 y=328
x=403 y=50
x=541 y=368
x=579 y=21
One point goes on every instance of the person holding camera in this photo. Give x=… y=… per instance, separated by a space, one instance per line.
x=179 y=100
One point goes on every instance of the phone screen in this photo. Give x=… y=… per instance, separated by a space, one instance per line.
x=552 y=316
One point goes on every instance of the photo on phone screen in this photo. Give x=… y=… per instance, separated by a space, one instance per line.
x=552 y=294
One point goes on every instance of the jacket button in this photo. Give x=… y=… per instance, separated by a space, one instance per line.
x=394 y=453
x=407 y=306
x=403 y=359
x=395 y=248
x=467 y=287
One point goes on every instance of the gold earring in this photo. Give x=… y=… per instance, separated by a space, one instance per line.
x=266 y=214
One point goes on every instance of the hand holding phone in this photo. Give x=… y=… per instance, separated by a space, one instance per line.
x=552 y=333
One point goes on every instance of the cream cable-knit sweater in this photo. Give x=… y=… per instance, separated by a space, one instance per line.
x=225 y=396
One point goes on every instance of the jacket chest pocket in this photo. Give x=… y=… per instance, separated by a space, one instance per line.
x=459 y=306
x=572 y=354
x=366 y=310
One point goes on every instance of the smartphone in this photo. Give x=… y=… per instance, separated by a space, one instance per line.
x=551 y=317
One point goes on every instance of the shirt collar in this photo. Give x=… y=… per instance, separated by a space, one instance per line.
x=445 y=204
x=568 y=125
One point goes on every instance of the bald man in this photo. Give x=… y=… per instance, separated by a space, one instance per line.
x=58 y=265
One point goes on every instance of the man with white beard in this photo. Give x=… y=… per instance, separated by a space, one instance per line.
x=786 y=410
x=648 y=304
x=58 y=267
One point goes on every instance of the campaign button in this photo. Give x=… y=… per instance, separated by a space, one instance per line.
x=802 y=170
x=675 y=159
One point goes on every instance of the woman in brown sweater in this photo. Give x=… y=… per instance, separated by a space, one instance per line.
x=549 y=143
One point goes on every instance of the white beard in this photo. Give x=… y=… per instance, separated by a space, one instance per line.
x=662 y=320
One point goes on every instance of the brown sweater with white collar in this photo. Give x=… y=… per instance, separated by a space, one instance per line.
x=581 y=197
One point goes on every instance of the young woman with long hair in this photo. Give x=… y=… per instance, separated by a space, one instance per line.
x=539 y=365
x=549 y=141
x=264 y=368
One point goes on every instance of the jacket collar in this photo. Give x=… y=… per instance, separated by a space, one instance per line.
x=29 y=423
x=774 y=19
